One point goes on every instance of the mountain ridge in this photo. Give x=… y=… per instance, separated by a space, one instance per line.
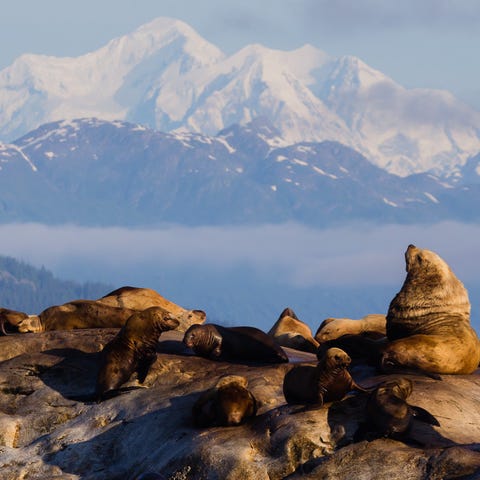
x=95 y=172
x=165 y=76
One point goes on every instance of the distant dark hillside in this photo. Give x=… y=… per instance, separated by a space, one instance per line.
x=31 y=290
x=100 y=173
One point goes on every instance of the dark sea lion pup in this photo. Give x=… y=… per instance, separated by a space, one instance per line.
x=233 y=343
x=328 y=381
x=132 y=350
x=229 y=403
x=389 y=414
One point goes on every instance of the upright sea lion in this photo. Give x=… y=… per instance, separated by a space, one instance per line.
x=132 y=350
x=328 y=381
x=388 y=412
x=229 y=403
x=291 y=332
x=233 y=343
x=370 y=326
x=428 y=321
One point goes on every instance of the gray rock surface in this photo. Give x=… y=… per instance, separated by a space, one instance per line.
x=46 y=433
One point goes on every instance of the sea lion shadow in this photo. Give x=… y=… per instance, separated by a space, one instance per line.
x=175 y=347
x=75 y=374
x=131 y=445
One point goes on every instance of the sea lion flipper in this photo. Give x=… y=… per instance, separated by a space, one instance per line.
x=422 y=415
x=144 y=365
x=359 y=388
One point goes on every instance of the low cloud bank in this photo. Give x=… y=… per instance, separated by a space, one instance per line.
x=300 y=256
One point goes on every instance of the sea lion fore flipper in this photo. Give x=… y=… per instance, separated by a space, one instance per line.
x=424 y=416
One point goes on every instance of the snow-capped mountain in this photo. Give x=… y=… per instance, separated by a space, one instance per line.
x=95 y=172
x=165 y=76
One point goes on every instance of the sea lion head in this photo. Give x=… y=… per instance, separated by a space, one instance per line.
x=397 y=355
x=150 y=322
x=426 y=261
x=162 y=319
x=400 y=387
x=330 y=329
x=193 y=335
x=234 y=404
x=336 y=358
x=203 y=340
x=10 y=320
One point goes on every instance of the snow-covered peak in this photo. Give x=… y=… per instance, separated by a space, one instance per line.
x=166 y=76
x=158 y=34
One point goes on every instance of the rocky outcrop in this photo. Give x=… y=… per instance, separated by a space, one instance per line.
x=45 y=432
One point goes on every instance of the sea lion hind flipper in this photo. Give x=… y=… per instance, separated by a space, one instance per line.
x=424 y=416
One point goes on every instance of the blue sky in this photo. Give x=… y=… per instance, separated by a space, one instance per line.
x=419 y=43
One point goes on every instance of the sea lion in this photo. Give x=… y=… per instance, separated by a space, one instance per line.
x=233 y=343
x=358 y=347
x=10 y=319
x=371 y=326
x=111 y=311
x=388 y=412
x=132 y=350
x=291 y=332
x=428 y=321
x=328 y=381
x=141 y=298
x=229 y=403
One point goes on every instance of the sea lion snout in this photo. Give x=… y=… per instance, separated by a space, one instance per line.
x=189 y=337
x=170 y=323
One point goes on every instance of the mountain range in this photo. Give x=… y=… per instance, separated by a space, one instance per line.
x=96 y=172
x=168 y=78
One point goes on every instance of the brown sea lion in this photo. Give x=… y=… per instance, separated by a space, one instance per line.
x=289 y=331
x=233 y=343
x=388 y=412
x=111 y=311
x=141 y=298
x=328 y=381
x=132 y=350
x=229 y=403
x=358 y=348
x=10 y=319
x=371 y=326
x=428 y=321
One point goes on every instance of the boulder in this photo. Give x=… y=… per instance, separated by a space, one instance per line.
x=45 y=433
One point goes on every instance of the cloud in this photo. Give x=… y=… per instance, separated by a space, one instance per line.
x=418 y=106
x=355 y=15
x=298 y=255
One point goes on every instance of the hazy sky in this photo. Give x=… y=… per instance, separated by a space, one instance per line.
x=419 y=43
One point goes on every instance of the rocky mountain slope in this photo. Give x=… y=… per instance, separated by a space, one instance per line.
x=94 y=172
x=165 y=76
x=29 y=289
